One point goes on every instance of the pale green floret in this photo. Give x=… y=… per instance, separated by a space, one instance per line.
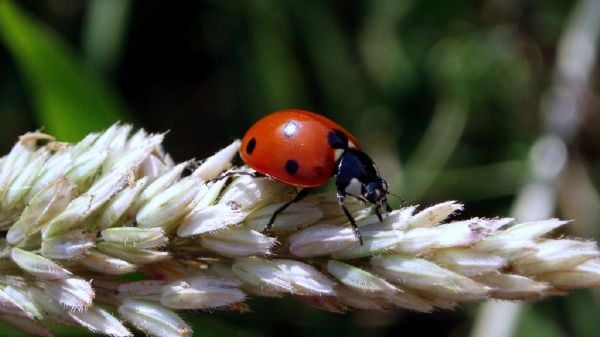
x=15 y=162
x=434 y=215
x=409 y=300
x=283 y=276
x=515 y=287
x=53 y=169
x=53 y=310
x=115 y=142
x=143 y=238
x=130 y=254
x=99 y=320
x=85 y=144
x=44 y=206
x=238 y=242
x=132 y=158
x=262 y=273
x=72 y=293
x=210 y=219
x=38 y=266
x=104 y=139
x=17 y=190
x=169 y=206
x=556 y=255
x=305 y=279
x=70 y=245
x=106 y=264
x=424 y=275
x=152 y=168
x=160 y=184
x=208 y=195
x=10 y=305
x=321 y=240
x=121 y=203
x=201 y=292
x=584 y=275
x=137 y=139
x=454 y=234
x=25 y=301
x=84 y=205
x=142 y=290
x=374 y=242
x=518 y=238
x=84 y=168
x=468 y=262
x=153 y=319
x=360 y=280
x=353 y=299
x=218 y=162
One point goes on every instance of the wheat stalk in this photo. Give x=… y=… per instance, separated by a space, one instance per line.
x=77 y=216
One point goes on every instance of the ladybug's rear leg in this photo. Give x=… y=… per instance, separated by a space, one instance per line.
x=301 y=195
x=341 y=196
x=236 y=173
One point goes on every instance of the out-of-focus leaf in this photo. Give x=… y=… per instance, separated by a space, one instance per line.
x=436 y=147
x=69 y=100
x=535 y=323
x=104 y=31
x=582 y=310
x=276 y=68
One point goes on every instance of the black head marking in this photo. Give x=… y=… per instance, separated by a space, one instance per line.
x=251 y=145
x=337 y=139
x=291 y=166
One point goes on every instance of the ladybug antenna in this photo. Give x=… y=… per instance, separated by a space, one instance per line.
x=402 y=201
x=392 y=194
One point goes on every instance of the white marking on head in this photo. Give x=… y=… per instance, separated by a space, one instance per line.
x=337 y=153
x=351 y=144
x=354 y=188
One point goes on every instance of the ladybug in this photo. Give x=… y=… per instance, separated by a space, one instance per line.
x=305 y=149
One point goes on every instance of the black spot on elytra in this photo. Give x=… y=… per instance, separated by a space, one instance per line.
x=337 y=139
x=251 y=145
x=291 y=166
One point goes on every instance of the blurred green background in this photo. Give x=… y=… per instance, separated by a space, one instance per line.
x=447 y=97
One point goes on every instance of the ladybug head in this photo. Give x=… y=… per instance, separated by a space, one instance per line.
x=375 y=191
x=357 y=175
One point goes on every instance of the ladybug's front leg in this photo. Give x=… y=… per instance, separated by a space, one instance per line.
x=381 y=206
x=341 y=196
x=378 y=213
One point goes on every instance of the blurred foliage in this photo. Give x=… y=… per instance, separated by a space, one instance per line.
x=444 y=95
x=69 y=100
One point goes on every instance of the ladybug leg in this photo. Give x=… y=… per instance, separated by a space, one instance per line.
x=236 y=173
x=301 y=195
x=341 y=196
x=378 y=212
x=378 y=209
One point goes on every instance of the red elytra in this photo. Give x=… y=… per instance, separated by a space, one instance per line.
x=292 y=146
